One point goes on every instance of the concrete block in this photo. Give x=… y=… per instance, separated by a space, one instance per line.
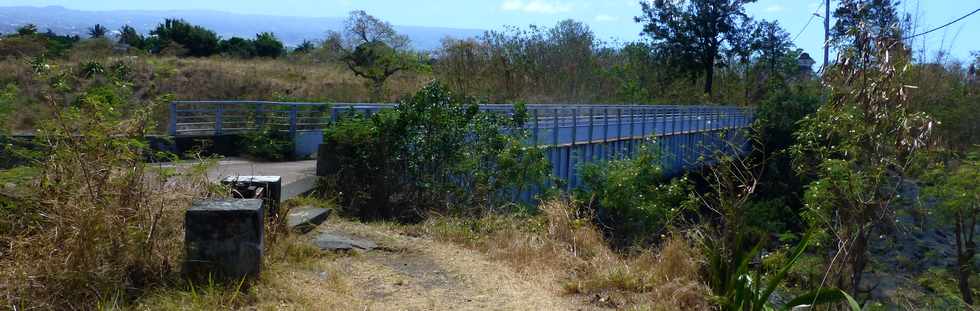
x=304 y=219
x=224 y=239
x=336 y=242
x=245 y=187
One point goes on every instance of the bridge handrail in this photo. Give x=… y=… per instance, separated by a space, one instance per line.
x=244 y=115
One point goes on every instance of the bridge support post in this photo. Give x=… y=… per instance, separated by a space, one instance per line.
x=173 y=119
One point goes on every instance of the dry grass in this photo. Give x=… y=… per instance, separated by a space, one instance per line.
x=213 y=78
x=296 y=276
x=563 y=248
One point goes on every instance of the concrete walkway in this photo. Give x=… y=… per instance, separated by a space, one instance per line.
x=298 y=177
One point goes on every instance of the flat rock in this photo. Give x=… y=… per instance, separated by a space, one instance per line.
x=304 y=219
x=334 y=242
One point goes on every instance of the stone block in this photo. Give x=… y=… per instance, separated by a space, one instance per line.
x=245 y=187
x=336 y=242
x=224 y=239
x=304 y=219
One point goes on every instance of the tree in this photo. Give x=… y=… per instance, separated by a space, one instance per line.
x=697 y=31
x=267 y=45
x=877 y=18
x=371 y=49
x=27 y=30
x=957 y=196
x=198 y=40
x=375 y=61
x=858 y=147
x=305 y=47
x=97 y=31
x=772 y=44
x=129 y=36
x=237 y=47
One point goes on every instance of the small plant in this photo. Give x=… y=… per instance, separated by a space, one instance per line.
x=739 y=287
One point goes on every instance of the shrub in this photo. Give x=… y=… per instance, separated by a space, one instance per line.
x=198 y=41
x=435 y=151
x=22 y=46
x=633 y=199
x=267 y=45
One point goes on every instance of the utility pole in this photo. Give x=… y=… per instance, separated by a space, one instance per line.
x=826 y=35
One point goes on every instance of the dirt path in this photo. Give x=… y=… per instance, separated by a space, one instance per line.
x=409 y=273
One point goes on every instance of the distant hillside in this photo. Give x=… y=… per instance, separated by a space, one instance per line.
x=292 y=30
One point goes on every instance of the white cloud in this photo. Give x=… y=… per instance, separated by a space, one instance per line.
x=605 y=18
x=536 y=6
x=774 y=8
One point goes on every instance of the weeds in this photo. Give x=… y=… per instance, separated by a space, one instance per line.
x=100 y=225
x=563 y=246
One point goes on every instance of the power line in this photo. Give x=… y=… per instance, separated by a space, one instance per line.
x=943 y=26
x=808 y=21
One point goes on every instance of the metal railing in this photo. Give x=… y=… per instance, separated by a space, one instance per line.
x=548 y=124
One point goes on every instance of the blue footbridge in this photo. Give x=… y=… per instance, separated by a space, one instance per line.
x=687 y=136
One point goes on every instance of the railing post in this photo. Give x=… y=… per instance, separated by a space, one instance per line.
x=292 y=119
x=218 y=116
x=535 y=133
x=643 y=122
x=591 y=147
x=173 y=119
x=619 y=133
x=259 y=115
x=605 y=134
x=556 y=150
x=571 y=151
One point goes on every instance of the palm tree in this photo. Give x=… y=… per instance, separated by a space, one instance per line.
x=98 y=31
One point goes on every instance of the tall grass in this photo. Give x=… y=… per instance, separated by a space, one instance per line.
x=563 y=247
x=96 y=225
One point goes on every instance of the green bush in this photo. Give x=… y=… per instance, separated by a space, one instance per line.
x=434 y=152
x=269 y=143
x=634 y=200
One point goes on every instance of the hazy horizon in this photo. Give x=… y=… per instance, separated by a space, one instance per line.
x=610 y=20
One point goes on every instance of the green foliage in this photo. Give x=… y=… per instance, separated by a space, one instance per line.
x=696 y=32
x=129 y=36
x=858 y=146
x=97 y=31
x=269 y=143
x=956 y=191
x=371 y=49
x=99 y=224
x=305 y=47
x=198 y=40
x=27 y=30
x=376 y=61
x=433 y=152
x=237 y=47
x=267 y=45
x=634 y=201
x=739 y=287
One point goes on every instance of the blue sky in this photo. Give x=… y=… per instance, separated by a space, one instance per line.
x=610 y=19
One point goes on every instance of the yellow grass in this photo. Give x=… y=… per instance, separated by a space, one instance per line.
x=564 y=249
